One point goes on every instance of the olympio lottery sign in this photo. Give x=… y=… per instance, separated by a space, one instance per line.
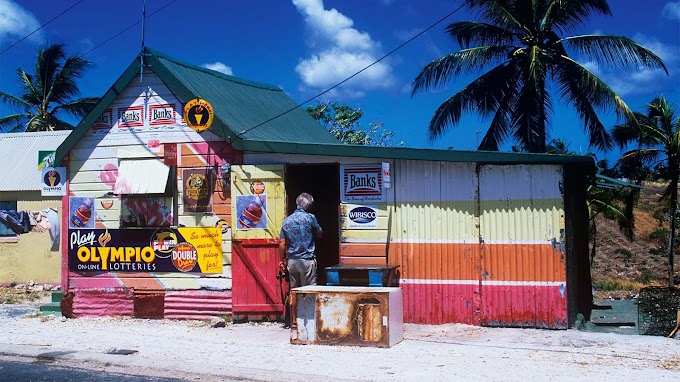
x=184 y=250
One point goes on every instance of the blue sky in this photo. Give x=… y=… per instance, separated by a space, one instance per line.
x=307 y=46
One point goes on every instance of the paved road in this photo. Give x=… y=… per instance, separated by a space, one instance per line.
x=40 y=371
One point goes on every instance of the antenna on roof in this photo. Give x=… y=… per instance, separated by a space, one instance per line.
x=141 y=56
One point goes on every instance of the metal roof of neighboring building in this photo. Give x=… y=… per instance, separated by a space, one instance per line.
x=19 y=158
x=257 y=117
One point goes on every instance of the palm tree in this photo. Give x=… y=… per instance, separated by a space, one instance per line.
x=657 y=135
x=48 y=93
x=520 y=41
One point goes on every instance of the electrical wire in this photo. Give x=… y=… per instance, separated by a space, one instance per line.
x=350 y=77
x=40 y=27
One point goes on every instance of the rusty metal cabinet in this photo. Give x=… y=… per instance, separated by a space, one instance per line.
x=341 y=315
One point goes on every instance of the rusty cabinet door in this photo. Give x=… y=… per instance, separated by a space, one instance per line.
x=258 y=207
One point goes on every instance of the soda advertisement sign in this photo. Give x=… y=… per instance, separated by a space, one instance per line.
x=361 y=183
x=53 y=181
x=361 y=217
x=184 y=250
x=251 y=211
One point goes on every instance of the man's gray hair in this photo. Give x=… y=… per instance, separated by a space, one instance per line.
x=304 y=200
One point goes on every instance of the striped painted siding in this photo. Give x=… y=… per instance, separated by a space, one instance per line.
x=523 y=270
x=435 y=240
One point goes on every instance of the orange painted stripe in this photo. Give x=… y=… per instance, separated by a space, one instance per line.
x=221 y=209
x=363 y=250
x=436 y=261
x=522 y=262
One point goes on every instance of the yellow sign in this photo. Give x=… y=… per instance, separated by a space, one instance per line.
x=198 y=114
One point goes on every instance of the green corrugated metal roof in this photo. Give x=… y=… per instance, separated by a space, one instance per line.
x=258 y=117
x=245 y=110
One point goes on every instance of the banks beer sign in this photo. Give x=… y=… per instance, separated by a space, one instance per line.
x=180 y=250
x=362 y=183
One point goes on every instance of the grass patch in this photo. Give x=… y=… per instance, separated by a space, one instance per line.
x=619 y=284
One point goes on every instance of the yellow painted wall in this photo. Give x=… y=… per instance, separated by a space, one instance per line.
x=30 y=258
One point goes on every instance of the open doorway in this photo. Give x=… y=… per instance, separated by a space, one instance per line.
x=322 y=181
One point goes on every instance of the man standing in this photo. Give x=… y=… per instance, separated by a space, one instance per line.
x=299 y=231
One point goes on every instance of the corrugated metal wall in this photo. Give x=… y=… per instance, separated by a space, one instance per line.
x=523 y=259
x=480 y=244
x=435 y=240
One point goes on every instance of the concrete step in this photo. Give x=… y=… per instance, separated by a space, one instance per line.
x=51 y=308
x=57 y=295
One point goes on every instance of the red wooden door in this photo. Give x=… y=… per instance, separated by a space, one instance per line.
x=256 y=290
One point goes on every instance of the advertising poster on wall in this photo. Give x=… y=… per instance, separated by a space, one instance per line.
x=46 y=159
x=184 y=250
x=360 y=216
x=81 y=212
x=197 y=190
x=53 y=181
x=251 y=211
x=362 y=183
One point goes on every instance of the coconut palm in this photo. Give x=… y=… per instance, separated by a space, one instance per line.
x=520 y=41
x=657 y=136
x=48 y=94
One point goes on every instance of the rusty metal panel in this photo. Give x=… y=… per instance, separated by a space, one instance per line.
x=197 y=304
x=355 y=316
x=435 y=240
x=523 y=265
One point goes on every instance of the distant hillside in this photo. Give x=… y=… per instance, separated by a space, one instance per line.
x=641 y=262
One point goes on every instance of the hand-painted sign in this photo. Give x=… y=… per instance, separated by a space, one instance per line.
x=198 y=114
x=186 y=250
x=162 y=114
x=361 y=217
x=361 y=183
x=105 y=121
x=197 y=190
x=132 y=116
x=53 y=181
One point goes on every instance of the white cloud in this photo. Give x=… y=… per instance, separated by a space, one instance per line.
x=17 y=22
x=338 y=50
x=672 y=10
x=219 y=67
x=631 y=82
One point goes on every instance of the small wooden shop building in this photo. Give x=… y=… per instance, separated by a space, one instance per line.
x=172 y=218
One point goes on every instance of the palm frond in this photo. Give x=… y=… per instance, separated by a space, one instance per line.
x=485 y=95
x=13 y=101
x=438 y=72
x=469 y=33
x=565 y=15
x=615 y=51
x=12 y=123
x=77 y=108
x=499 y=12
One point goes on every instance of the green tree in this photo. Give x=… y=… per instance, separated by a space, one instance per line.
x=520 y=41
x=343 y=122
x=48 y=94
x=657 y=137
